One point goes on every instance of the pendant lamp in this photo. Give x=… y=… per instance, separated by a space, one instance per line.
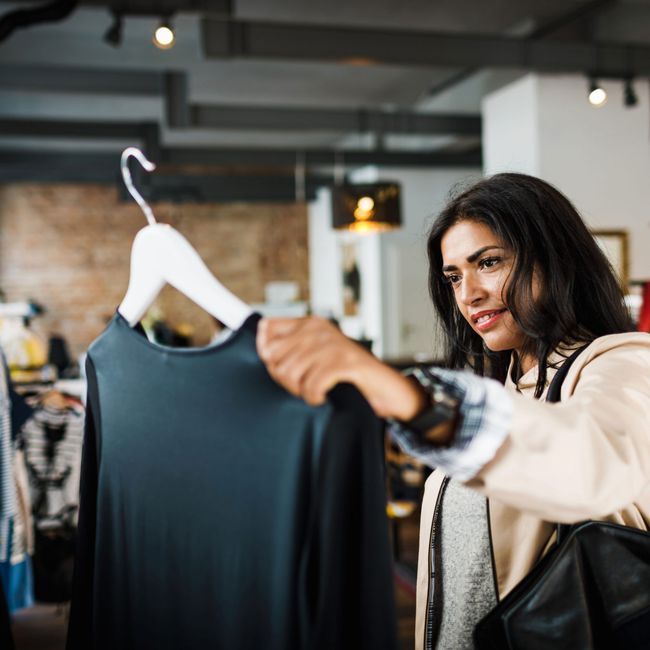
x=366 y=208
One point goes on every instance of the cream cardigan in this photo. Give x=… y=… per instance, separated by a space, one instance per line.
x=587 y=457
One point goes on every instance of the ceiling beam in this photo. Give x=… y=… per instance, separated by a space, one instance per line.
x=258 y=40
x=147 y=134
x=577 y=15
x=178 y=188
x=338 y=120
x=316 y=157
x=156 y=7
x=69 y=79
x=104 y=166
x=72 y=129
x=182 y=115
x=43 y=166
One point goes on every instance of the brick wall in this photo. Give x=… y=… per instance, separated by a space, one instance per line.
x=68 y=248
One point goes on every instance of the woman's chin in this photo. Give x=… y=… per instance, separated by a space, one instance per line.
x=498 y=343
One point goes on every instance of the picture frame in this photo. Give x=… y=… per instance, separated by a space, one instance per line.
x=614 y=243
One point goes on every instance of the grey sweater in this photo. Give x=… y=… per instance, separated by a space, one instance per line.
x=468 y=591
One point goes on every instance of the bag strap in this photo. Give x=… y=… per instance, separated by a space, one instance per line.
x=555 y=389
x=554 y=394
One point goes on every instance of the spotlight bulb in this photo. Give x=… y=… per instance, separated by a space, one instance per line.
x=597 y=95
x=164 y=37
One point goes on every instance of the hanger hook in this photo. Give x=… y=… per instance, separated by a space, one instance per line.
x=128 y=181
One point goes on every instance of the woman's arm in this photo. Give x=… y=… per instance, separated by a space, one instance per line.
x=309 y=356
x=458 y=431
x=589 y=455
x=586 y=457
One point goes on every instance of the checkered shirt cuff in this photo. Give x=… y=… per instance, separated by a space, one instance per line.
x=486 y=409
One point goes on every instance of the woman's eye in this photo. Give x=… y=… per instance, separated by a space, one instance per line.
x=453 y=279
x=489 y=262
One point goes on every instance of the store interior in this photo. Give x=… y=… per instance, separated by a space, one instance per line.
x=261 y=119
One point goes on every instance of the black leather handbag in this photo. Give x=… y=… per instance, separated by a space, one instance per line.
x=590 y=592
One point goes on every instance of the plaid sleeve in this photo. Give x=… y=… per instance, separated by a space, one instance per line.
x=484 y=420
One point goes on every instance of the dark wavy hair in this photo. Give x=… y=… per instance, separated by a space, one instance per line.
x=579 y=296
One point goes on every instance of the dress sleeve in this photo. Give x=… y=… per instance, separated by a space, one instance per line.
x=486 y=410
x=80 y=630
x=351 y=586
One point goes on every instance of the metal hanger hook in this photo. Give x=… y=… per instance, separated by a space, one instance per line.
x=128 y=180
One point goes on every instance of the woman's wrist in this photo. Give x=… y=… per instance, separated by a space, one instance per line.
x=437 y=420
x=389 y=393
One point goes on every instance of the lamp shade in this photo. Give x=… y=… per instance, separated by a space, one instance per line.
x=373 y=207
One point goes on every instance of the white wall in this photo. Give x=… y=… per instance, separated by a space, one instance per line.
x=510 y=128
x=599 y=157
x=396 y=310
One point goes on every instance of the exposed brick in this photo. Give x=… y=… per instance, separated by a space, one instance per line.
x=68 y=248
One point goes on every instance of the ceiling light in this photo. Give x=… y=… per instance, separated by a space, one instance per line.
x=113 y=35
x=597 y=94
x=366 y=208
x=629 y=95
x=164 y=36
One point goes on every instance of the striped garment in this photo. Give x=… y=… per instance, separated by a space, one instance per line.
x=53 y=439
x=8 y=504
x=485 y=414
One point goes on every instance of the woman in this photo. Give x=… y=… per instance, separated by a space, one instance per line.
x=519 y=284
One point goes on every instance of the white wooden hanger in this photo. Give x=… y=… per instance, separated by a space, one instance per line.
x=161 y=255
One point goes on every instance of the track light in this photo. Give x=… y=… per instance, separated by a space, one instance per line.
x=113 y=35
x=597 y=94
x=164 y=36
x=630 y=98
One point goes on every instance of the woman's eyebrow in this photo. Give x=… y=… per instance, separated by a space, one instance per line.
x=471 y=258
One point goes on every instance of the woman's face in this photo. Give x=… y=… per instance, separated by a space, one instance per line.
x=477 y=265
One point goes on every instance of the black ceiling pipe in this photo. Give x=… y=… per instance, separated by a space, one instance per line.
x=47 y=13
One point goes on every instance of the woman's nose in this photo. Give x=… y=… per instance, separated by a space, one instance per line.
x=472 y=290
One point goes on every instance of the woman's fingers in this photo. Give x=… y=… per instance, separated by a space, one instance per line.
x=309 y=356
x=293 y=349
x=269 y=329
x=308 y=372
x=317 y=381
x=277 y=337
x=290 y=370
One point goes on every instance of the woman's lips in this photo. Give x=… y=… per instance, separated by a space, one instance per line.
x=487 y=321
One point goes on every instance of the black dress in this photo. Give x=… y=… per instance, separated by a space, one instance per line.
x=218 y=511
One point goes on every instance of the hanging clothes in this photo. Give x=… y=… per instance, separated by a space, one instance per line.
x=53 y=437
x=16 y=524
x=8 y=503
x=644 y=314
x=7 y=499
x=219 y=511
x=16 y=575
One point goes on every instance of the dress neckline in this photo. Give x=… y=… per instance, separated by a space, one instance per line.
x=248 y=326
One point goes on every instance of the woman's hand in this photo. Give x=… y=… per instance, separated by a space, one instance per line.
x=309 y=356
